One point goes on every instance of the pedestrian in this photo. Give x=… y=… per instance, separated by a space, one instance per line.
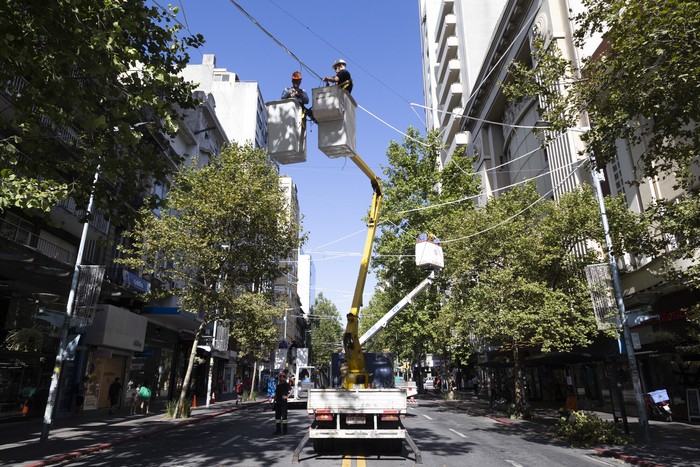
x=342 y=76
x=475 y=385
x=145 y=397
x=115 y=390
x=239 y=391
x=134 y=399
x=80 y=389
x=281 y=396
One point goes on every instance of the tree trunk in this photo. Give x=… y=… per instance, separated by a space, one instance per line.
x=518 y=384
x=188 y=373
x=252 y=379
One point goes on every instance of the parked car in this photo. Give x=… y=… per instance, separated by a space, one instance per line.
x=429 y=383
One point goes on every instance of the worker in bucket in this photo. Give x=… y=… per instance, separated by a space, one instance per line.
x=342 y=76
x=296 y=92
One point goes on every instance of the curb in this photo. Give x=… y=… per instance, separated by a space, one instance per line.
x=58 y=458
x=604 y=452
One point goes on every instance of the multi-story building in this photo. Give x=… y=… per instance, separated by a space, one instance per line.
x=239 y=104
x=306 y=285
x=292 y=327
x=112 y=335
x=467 y=47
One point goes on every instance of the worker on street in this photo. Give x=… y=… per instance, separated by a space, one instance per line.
x=342 y=76
x=281 y=395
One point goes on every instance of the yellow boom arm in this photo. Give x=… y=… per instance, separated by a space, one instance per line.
x=356 y=374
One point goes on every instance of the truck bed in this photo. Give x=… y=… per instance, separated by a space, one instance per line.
x=359 y=401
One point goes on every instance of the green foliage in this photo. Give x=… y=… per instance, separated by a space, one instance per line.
x=170 y=408
x=326 y=331
x=638 y=89
x=415 y=195
x=516 y=275
x=586 y=429
x=252 y=331
x=83 y=77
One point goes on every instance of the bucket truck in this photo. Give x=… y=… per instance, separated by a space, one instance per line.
x=356 y=410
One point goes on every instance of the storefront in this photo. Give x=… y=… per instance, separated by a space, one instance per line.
x=115 y=336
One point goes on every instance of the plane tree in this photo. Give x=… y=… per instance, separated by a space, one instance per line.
x=89 y=84
x=218 y=241
x=417 y=192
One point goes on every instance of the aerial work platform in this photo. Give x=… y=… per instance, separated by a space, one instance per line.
x=429 y=252
x=286 y=131
x=336 y=121
x=334 y=109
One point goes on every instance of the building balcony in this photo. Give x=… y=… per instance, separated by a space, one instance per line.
x=446 y=29
x=16 y=234
x=449 y=52
x=448 y=72
x=97 y=221
x=460 y=140
x=451 y=102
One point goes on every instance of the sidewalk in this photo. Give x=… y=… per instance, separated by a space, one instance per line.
x=92 y=431
x=673 y=444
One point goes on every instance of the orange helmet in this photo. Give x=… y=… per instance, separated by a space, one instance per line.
x=296 y=75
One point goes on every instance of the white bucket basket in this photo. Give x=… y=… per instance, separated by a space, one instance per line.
x=286 y=131
x=335 y=110
x=429 y=255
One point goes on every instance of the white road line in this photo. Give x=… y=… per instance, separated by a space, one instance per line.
x=458 y=433
x=513 y=463
x=232 y=439
x=429 y=418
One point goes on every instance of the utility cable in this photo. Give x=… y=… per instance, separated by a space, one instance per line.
x=275 y=40
x=505 y=221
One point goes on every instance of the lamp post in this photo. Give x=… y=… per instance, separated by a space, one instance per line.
x=62 y=346
x=627 y=338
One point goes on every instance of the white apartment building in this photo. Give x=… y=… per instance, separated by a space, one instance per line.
x=287 y=285
x=239 y=105
x=306 y=284
x=454 y=40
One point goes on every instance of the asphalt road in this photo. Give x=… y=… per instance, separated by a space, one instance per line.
x=445 y=437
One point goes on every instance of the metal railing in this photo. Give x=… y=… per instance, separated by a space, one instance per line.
x=16 y=234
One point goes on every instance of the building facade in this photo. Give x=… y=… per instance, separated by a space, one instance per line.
x=467 y=47
x=111 y=334
x=239 y=104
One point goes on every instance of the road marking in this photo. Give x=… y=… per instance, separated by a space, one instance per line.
x=513 y=463
x=458 y=433
x=347 y=461
x=232 y=439
x=429 y=418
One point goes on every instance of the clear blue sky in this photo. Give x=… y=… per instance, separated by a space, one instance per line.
x=380 y=41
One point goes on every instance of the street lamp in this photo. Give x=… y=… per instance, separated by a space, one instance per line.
x=629 y=348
